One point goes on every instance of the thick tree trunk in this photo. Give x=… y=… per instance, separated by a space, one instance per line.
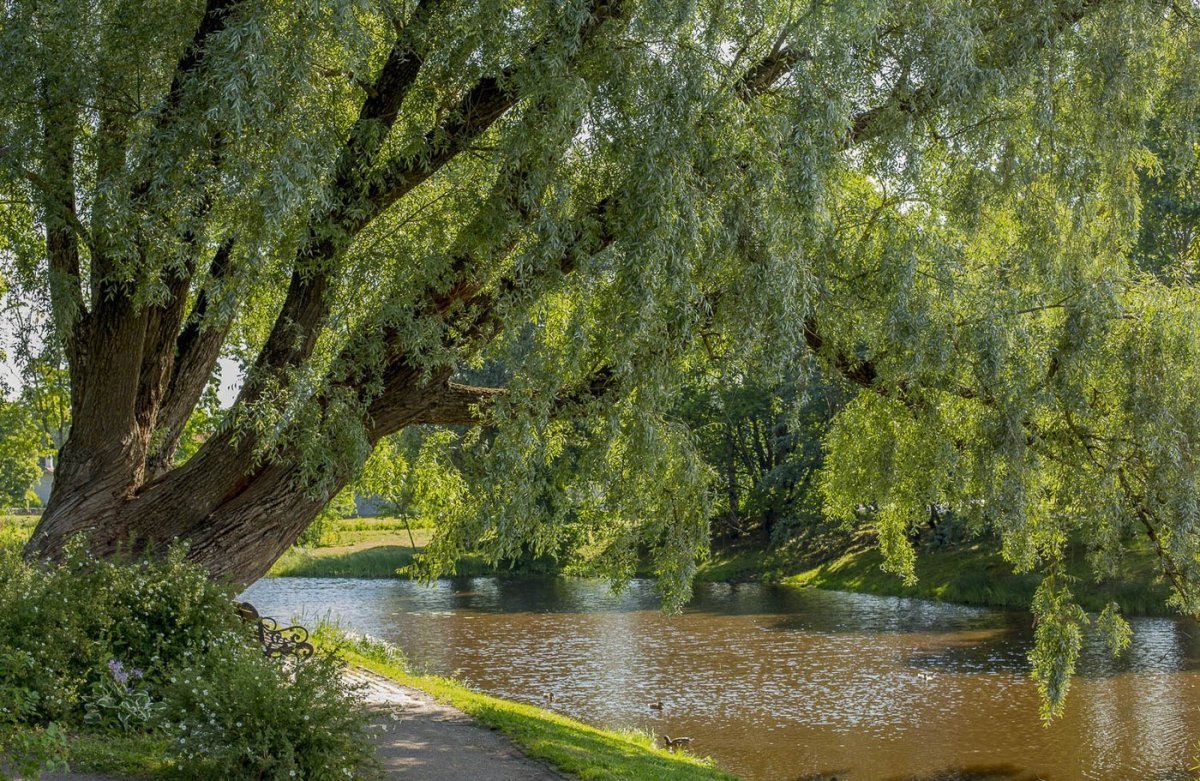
x=236 y=513
x=236 y=519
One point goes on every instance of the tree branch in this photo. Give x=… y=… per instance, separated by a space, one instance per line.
x=307 y=304
x=868 y=124
x=195 y=353
x=56 y=184
x=456 y=404
x=587 y=243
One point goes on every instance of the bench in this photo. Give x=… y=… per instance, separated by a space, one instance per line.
x=277 y=641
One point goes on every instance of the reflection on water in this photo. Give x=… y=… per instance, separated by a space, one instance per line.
x=783 y=684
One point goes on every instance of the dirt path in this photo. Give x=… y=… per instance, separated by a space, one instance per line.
x=420 y=739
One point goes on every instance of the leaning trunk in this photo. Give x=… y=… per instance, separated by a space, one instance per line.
x=236 y=512
x=235 y=519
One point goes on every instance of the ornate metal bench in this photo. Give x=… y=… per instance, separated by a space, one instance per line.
x=276 y=641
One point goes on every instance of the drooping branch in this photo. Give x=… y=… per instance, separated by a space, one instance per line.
x=864 y=374
x=460 y=404
x=594 y=231
x=912 y=104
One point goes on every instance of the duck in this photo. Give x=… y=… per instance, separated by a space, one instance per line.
x=656 y=705
x=674 y=743
x=549 y=698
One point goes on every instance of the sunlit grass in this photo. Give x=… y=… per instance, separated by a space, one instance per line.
x=15 y=529
x=379 y=550
x=577 y=749
x=976 y=575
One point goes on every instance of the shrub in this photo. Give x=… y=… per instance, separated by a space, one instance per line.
x=266 y=719
x=153 y=648
x=74 y=618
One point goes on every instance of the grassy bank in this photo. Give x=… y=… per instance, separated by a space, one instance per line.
x=974 y=575
x=574 y=748
x=379 y=548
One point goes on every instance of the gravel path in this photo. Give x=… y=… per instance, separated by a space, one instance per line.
x=424 y=740
x=420 y=739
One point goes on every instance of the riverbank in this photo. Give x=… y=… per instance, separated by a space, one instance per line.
x=965 y=573
x=571 y=747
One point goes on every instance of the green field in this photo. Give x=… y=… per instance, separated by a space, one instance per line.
x=379 y=548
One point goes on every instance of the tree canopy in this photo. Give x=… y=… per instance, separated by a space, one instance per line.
x=978 y=215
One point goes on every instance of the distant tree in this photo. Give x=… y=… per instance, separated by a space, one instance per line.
x=763 y=441
x=22 y=448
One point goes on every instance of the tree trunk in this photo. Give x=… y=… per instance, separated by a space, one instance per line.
x=236 y=513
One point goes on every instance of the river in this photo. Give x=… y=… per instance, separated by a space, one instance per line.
x=781 y=684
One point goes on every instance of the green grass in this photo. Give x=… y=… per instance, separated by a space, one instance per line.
x=974 y=575
x=138 y=756
x=359 y=553
x=15 y=529
x=129 y=756
x=575 y=748
x=377 y=548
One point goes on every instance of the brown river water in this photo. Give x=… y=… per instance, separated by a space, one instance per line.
x=781 y=684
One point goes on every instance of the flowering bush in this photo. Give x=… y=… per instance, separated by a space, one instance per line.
x=268 y=719
x=76 y=617
x=155 y=648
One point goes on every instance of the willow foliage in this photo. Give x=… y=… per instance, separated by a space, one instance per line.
x=942 y=202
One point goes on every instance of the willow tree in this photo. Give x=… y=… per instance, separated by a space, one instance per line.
x=361 y=200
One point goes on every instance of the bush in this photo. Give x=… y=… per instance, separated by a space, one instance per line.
x=76 y=617
x=154 y=648
x=26 y=750
x=268 y=720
